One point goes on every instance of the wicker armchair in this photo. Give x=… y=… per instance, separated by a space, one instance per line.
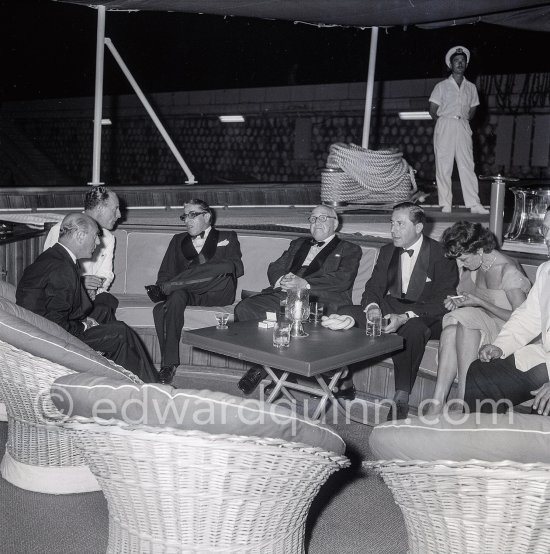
x=471 y=507
x=40 y=455
x=172 y=490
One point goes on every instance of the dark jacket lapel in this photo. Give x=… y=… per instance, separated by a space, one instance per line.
x=319 y=260
x=300 y=256
x=419 y=273
x=394 y=274
x=82 y=305
x=208 y=249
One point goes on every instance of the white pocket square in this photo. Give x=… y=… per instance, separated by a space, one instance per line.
x=223 y=243
x=337 y=255
x=428 y=280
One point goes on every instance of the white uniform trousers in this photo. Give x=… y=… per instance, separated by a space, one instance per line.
x=453 y=140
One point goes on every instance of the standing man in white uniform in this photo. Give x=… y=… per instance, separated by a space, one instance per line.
x=453 y=103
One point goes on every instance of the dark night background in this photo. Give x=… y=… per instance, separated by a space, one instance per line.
x=48 y=50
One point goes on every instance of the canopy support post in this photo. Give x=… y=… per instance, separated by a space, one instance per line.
x=98 y=98
x=370 y=86
x=190 y=177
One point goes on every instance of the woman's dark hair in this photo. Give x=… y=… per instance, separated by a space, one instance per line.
x=466 y=238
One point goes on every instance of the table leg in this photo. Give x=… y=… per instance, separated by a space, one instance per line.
x=328 y=390
x=279 y=385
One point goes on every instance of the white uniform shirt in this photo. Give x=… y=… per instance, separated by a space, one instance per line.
x=526 y=323
x=101 y=264
x=454 y=101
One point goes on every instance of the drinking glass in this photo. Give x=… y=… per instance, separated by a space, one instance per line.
x=374 y=322
x=281 y=334
x=316 y=310
x=282 y=307
x=221 y=320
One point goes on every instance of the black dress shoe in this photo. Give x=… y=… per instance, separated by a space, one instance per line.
x=401 y=411
x=251 y=379
x=346 y=394
x=166 y=374
x=154 y=292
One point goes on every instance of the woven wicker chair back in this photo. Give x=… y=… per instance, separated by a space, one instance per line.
x=189 y=491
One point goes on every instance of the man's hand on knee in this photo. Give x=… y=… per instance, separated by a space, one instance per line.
x=542 y=399
x=394 y=322
x=489 y=352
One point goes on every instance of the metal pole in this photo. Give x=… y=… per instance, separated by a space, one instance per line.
x=370 y=86
x=98 y=98
x=150 y=111
x=496 y=217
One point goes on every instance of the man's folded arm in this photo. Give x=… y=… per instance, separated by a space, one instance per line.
x=524 y=324
x=59 y=305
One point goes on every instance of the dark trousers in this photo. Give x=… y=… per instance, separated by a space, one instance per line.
x=120 y=343
x=169 y=319
x=416 y=332
x=500 y=380
x=105 y=305
x=255 y=307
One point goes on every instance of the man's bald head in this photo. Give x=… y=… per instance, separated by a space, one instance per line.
x=79 y=233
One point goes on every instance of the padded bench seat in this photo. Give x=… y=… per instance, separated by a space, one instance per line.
x=258 y=250
x=136 y=310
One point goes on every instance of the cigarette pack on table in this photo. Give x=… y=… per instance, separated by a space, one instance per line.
x=266 y=324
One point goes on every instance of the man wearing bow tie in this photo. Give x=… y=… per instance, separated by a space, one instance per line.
x=200 y=268
x=409 y=282
x=323 y=263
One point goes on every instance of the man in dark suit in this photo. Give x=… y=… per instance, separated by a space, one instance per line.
x=200 y=268
x=52 y=287
x=324 y=264
x=409 y=282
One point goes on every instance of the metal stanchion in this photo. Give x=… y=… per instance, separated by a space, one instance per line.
x=498 y=190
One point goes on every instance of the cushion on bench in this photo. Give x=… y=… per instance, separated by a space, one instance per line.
x=7 y=291
x=514 y=436
x=137 y=311
x=164 y=406
x=40 y=337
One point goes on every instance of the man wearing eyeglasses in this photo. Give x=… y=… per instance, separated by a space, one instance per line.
x=323 y=263
x=200 y=268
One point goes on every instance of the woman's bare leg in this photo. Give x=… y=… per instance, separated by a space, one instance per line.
x=447 y=367
x=467 y=347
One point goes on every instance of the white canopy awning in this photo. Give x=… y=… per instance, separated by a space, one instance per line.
x=525 y=14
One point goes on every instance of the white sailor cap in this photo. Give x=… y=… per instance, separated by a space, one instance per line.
x=456 y=50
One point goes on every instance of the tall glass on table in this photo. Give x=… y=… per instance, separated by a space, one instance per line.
x=297 y=310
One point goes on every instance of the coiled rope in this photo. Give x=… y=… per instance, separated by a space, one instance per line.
x=355 y=174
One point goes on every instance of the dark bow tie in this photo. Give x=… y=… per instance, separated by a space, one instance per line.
x=317 y=242
x=410 y=251
x=199 y=236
